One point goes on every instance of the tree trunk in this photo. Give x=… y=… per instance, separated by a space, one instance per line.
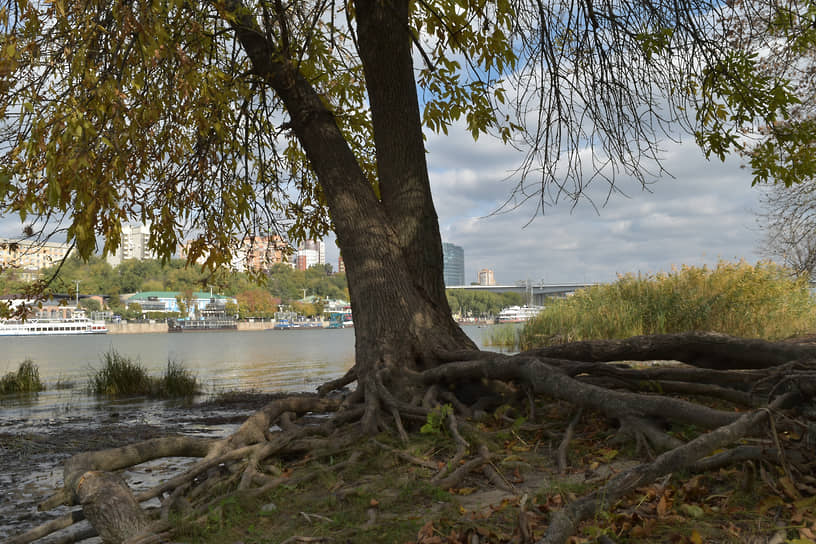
x=390 y=245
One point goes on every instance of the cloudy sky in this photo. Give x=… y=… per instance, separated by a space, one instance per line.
x=705 y=213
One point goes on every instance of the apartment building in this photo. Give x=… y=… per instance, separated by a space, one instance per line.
x=135 y=237
x=28 y=257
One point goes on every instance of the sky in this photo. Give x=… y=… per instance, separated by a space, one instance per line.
x=704 y=213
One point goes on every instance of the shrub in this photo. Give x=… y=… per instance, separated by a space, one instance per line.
x=761 y=301
x=25 y=380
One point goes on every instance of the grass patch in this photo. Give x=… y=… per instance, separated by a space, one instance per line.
x=25 y=380
x=761 y=301
x=122 y=376
x=336 y=504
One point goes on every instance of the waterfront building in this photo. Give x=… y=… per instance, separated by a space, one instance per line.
x=28 y=257
x=57 y=306
x=133 y=244
x=486 y=277
x=454 y=264
x=153 y=302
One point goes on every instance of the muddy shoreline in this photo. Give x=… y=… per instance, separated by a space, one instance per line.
x=31 y=456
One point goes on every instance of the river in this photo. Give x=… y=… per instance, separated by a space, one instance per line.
x=268 y=361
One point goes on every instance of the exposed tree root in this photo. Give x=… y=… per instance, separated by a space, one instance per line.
x=643 y=403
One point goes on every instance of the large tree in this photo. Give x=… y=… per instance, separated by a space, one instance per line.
x=217 y=119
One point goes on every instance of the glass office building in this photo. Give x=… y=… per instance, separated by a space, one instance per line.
x=454 y=264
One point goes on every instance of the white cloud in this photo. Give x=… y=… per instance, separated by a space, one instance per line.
x=700 y=215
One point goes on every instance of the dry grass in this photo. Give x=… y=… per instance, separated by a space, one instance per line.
x=750 y=301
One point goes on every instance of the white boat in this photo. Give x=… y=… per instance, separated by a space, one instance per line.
x=79 y=324
x=518 y=314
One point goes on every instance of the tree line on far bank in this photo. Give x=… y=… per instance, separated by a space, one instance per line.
x=257 y=296
x=283 y=285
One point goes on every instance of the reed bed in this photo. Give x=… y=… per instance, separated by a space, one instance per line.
x=25 y=380
x=122 y=376
x=750 y=301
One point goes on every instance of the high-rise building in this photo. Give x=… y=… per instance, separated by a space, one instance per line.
x=133 y=244
x=260 y=253
x=486 y=277
x=310 y=253
x=251 y=253
x=29 y=256
x=454 y=264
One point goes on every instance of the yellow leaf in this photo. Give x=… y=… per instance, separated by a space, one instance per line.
x=695 y=537
x=789 y=489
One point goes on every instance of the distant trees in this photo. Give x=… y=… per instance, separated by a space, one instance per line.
x=283 y=284
x=480 y=304
x=257 y=302
x=788 y=221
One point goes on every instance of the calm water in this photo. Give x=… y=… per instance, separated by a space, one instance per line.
x=298 y=360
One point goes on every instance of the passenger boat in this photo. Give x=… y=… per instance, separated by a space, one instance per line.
x=211 y=318
x=284 y=321
x=78 y=324
x=518 y=314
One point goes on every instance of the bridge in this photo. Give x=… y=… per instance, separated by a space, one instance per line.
x=535 y=294
x=532 y=293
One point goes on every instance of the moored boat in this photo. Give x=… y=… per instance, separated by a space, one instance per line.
x=518 y=314
x=203 y=324
x=78 y=324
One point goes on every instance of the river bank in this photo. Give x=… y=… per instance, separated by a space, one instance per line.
x=32 y=453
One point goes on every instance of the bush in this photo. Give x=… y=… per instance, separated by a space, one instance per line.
x=25 y=380
x=762 y=301
x=121 y=375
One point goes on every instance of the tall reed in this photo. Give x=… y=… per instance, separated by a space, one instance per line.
x=122 y=376
x=25 y=380
x=759 y=301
